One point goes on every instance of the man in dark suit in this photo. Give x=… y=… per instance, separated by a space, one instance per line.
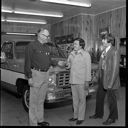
x=109 y=80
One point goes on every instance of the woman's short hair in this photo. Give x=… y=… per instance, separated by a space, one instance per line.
x=81 y=42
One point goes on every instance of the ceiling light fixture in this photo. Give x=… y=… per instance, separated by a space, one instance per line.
x=39 y=14
x=27 y=34
x=70 y=2
x=25 y=21
x=2 y=19
x=50 y=14
x=33 y=12
x=7 y=10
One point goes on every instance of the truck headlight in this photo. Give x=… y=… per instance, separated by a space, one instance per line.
x=51 y=96
x=52 y=82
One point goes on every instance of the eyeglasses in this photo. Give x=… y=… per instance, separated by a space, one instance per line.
x=46 y=36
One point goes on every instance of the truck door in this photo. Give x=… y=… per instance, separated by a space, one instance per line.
x=7 y=69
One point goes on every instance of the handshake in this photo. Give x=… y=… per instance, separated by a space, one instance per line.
x=63 y=64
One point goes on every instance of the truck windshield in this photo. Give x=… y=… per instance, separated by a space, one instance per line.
x=20 y=49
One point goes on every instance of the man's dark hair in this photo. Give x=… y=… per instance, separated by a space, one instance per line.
x=81 y=42
x=110 y=38
x=39 y=30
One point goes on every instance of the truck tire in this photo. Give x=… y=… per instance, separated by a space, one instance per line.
x=25 y=98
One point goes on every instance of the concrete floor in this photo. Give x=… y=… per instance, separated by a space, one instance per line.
x=13 y=113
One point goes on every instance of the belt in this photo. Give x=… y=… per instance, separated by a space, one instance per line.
x=41 y=70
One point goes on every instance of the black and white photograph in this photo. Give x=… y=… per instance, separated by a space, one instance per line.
x=63 y=63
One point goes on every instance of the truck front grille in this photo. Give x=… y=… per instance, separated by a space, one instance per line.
x=62 y=79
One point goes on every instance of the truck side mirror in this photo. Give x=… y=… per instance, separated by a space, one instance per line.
x=3 y=57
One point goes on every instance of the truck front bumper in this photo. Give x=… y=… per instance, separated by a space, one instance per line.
x=67 y=95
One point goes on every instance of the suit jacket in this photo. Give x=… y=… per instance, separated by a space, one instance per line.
x=111 y=68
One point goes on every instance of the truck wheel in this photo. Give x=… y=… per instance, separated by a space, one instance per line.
x=25 y=98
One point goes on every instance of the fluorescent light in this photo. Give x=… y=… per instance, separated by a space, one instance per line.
x=25 y=21
x=29 y=34
x=33 y=12
x=50 y=14
x=67 y=2
x=2 y=19
x=7 y=10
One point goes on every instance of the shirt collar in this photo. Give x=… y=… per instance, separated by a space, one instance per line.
x=107 y=48
x=105 y=51
x=78 y=52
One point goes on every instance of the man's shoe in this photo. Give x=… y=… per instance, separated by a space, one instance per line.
x=95 y=117
x=43 y=124
x=79 y=122
x=72 y=119
x=109 y=121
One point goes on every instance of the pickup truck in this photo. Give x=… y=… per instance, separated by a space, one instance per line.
x=12 y=73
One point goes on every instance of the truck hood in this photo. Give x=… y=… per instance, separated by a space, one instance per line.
x=57 y=68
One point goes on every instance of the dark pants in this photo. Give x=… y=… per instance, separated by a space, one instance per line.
x=100 y=96
x=112 y=101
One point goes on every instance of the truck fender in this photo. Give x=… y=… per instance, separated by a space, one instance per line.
x=20 y=84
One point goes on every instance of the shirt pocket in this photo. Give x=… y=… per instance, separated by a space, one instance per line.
x=41 y=53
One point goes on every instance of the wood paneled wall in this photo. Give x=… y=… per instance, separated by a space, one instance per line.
x=79 y=26
x=70 y=26
x=115 y=20
x=87 y=32
x=88 y=26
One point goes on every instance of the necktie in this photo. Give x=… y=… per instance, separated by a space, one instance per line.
x=103 y=62
x=104 y=54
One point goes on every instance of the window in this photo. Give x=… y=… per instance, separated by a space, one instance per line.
x=20 y=49
x=7 y=48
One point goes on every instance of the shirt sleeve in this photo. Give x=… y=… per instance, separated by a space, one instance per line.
x=69 y=61
x=27 y=66
x=88 y=67
x=53 y=62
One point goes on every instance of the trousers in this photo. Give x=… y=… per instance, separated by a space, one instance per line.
x=37 y=97
x=112 y=101
x=100 y=96
x=79 y=101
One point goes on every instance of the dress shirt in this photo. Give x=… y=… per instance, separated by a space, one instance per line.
x=105 y=51
x=80 y=65
x=103 y=56
x=37 y=55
